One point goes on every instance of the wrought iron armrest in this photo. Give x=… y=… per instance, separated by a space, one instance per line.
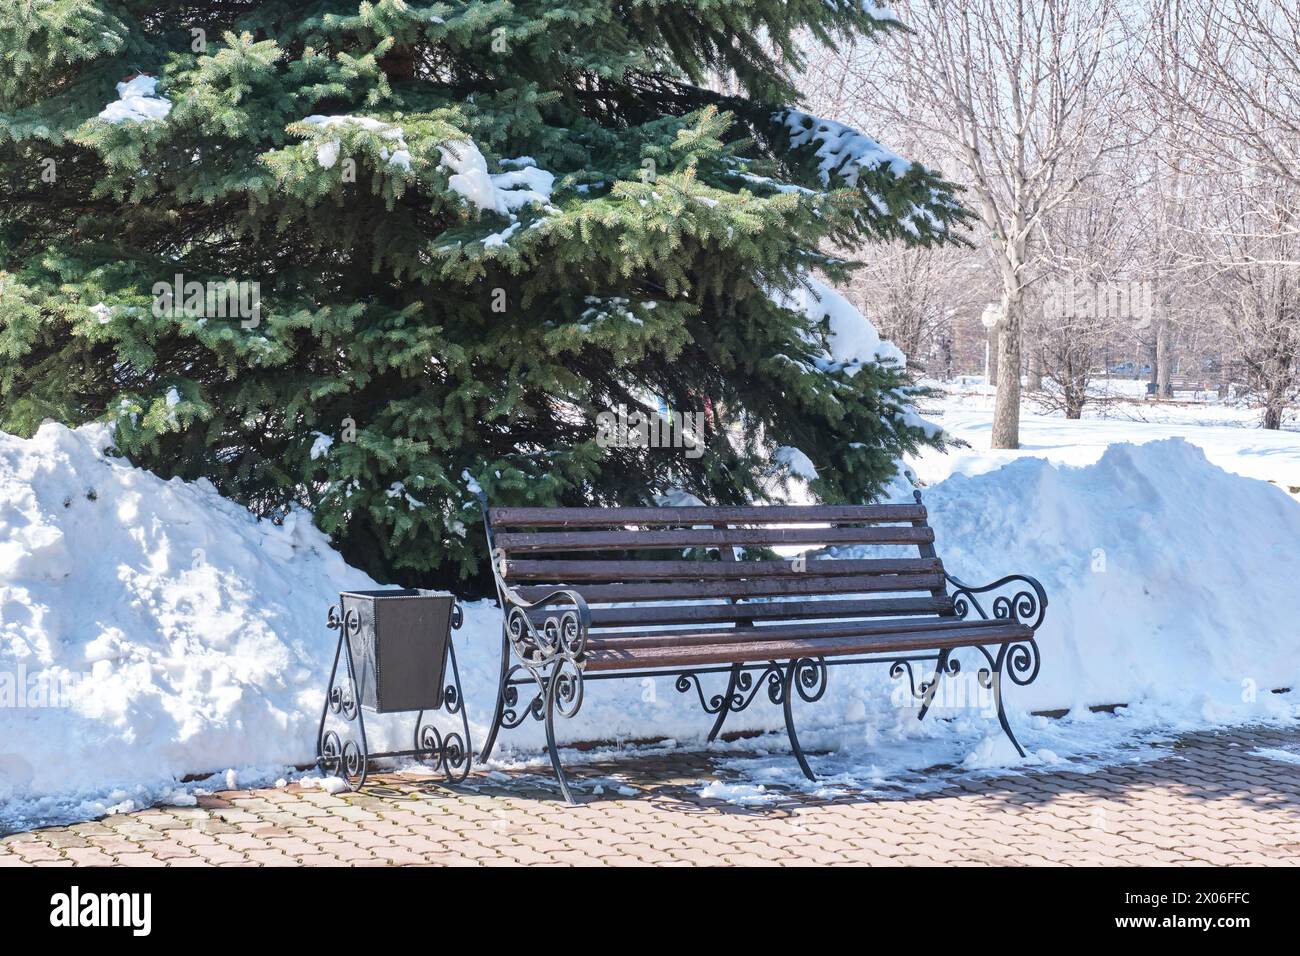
x=1026 y=606
x=561 y=635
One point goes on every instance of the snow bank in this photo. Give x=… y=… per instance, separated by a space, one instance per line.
x=150 y=629
x=137 y=102
x=1170 y=580
x=1171 y=590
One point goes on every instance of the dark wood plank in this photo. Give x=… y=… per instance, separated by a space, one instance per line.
x=629 y=571
x=779 y=610
x=516 y=542
x=684 y=637
x=783 y=650
x=760 y=587
x=749 y=514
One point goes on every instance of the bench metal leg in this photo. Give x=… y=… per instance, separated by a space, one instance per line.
x=498 y=712
x=997 y=696
x=563 y=694
x=727 y=701
x=807 y=677
x=945 y=665
x=787 y=693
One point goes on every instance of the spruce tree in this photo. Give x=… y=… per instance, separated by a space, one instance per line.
x=461 y=230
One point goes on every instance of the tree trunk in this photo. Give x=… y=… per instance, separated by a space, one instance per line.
x=991 y=337
x=1006 y=409
x=398 y=64
x=1164 y=364
x=1035 y=381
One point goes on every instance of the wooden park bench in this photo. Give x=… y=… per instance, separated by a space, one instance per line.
x=601 y=593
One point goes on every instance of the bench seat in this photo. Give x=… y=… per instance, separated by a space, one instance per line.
x=611 y=654
x=741 y=645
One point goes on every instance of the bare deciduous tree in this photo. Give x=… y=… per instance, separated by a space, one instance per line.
x=1021 y=96
x=1228 y=85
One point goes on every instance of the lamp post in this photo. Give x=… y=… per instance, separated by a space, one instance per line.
x=989 y=318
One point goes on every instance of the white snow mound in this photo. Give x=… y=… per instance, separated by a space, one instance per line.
x=148 y=629
x=1170 y=580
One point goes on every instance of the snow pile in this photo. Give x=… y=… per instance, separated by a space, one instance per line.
x=148 y=630
x=327 y=150
x=1170 y=580
x=523 y=183
x=137 y=102
x=1170 y=588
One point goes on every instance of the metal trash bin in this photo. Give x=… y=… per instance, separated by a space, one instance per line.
x=399 y=647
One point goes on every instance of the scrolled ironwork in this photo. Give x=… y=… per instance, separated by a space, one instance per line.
x=343 y=702
x=511 y=717
x=898 y=669
x=447 y=754
x=353 y=764
x=711 y=705
x=945 y=665
x=561 y=635
x=455 y=755
x=327 y=756
x=1027 y=606
x=451 y=699
x=428 y=739
x=567 y=687
x=775 y=677
x=1022 y=662
x=809 y=678
x=743 y=691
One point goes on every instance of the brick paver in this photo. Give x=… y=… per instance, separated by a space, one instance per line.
x=1204 y=799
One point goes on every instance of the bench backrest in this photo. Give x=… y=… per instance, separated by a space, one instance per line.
x=617 y=556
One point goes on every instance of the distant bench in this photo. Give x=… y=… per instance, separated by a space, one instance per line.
x=601 y=593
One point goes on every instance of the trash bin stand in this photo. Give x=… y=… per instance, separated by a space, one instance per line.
x=349 y=756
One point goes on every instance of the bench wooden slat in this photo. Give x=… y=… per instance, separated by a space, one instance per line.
x=606 y=517
x=686 y=637
x=784 y=610
x=629 y=571
x=783 y=650
x=516 y=542
x=761 y=587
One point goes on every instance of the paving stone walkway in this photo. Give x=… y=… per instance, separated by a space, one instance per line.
x=1209 y=798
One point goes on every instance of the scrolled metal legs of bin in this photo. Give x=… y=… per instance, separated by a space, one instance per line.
x=342 y=747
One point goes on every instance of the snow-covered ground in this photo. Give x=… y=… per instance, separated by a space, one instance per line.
x=150 y=630
x=1229 y=434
